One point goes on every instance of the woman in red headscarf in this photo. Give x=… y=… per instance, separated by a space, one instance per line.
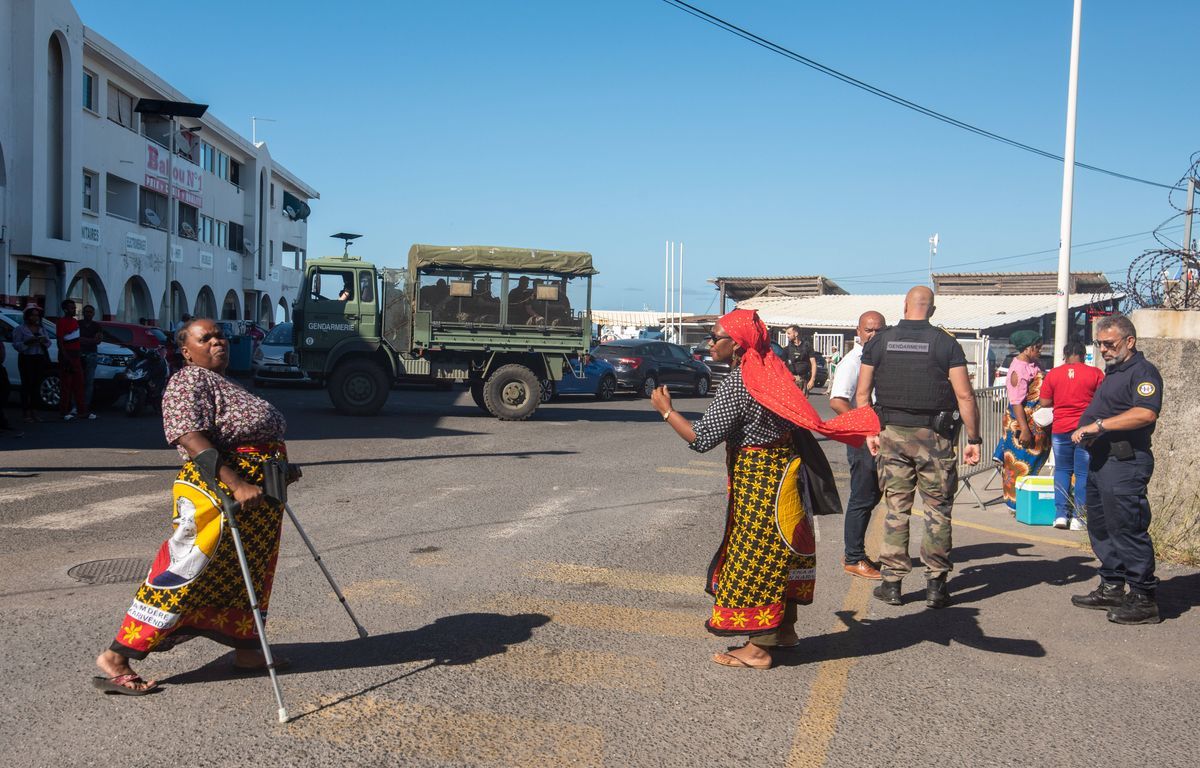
x=766 y=564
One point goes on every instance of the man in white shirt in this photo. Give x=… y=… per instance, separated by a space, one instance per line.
x=864 y=483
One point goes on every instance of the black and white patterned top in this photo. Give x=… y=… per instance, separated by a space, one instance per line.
x=737 y=418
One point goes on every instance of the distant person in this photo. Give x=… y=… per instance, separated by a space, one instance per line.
x=183 y=320
x=801 y=359
x=70 y=366
x=90 y=336
x=923 y=396
x=1069 y=389
x=1117 y=426
x=864 y=482
x=1025 y=445
x=5 y=428
x=32 y=344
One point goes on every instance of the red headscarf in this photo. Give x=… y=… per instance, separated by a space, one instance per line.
x=771 y=384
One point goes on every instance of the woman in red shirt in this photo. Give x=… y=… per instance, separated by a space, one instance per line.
x=1069 y=389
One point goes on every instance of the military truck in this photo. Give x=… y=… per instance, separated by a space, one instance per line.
x=502 y=320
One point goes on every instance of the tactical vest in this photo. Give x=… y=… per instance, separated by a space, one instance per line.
x=908 y=377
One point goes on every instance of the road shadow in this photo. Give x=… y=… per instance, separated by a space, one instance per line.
x=1178 y=595
x=632 y=411
x=873 y=637
x=451 y=640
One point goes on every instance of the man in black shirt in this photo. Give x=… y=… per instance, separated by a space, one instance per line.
x=801 y=359
x=1117 y=427
x=90 y=336
x=922 y=395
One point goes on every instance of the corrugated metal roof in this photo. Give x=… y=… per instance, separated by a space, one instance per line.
x=639 y=319
x=954 y=313
x=1010 y=274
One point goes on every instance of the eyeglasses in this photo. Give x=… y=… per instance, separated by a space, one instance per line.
x=1111 y=344
x=714 y=338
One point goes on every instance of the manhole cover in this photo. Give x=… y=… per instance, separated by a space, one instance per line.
x=119 y=571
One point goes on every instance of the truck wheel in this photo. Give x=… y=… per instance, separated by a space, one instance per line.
x=512 y=392
x=358 y=388
x=477 y=396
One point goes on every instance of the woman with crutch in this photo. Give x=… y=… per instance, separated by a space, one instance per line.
x=196 y=585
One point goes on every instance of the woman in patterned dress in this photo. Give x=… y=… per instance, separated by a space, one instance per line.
x=195 y=586
x=1024 y=445
x=765 y=565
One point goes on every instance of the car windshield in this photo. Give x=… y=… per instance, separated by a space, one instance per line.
x=158 y=335
x=280 y=334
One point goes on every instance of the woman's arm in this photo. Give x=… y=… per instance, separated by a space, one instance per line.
x=244 y=493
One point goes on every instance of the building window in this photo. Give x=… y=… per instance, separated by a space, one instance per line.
x=89 y=91
x=237 y=237
x=157 y=128
x=222 y=235
x=154 y=209
x=122 y=198
x=189 y=221
x=222 y=165
x=208 y=231
x=120 y=107
x=272 y=195
x=235 y=172
x=206 y=156
x=91 y=192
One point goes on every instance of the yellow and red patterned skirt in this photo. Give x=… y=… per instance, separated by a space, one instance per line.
x=768 y=554
x=195 y=586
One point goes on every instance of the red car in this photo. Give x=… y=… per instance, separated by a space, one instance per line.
x=148 y=336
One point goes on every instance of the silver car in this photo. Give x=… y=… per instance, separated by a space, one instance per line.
x=268 y=364
x=111 y=360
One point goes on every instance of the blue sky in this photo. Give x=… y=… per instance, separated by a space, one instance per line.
x=614 y=125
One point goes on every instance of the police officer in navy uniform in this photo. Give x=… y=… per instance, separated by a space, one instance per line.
x=1117 y=427
x=922 y=395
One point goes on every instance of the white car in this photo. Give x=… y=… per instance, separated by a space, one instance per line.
x=111 y=359
x=269 y=364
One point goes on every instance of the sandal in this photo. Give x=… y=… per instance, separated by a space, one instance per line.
x=729 y=660
x=121 y=684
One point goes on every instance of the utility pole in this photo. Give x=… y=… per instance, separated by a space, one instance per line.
x=1062 y=312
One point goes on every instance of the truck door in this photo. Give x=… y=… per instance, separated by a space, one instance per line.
x=332 y=310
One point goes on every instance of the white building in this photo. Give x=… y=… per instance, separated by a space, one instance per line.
x=84 y=182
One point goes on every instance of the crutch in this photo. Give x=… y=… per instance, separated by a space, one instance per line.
x=362 y=633
x=206 y=463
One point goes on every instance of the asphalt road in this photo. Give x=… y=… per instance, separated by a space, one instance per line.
x=534 y=597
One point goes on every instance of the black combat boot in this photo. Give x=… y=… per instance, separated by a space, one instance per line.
x=1101 y=598
x=936 y=593
x=1137 y=609
x=888 y=592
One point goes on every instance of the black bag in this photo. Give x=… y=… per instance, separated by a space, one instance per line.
x=819 y=489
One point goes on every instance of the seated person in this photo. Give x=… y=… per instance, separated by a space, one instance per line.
x=520 y=304
x=485 y=307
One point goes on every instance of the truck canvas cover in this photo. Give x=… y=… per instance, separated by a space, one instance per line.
x=575 y=263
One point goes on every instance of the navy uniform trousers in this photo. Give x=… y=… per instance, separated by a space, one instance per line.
x=1118 y=521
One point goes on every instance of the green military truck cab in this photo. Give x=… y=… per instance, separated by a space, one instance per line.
x=502 y=320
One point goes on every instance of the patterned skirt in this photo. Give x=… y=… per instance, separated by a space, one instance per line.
x=195 y=586
x=1017 y=460
x=768 y=554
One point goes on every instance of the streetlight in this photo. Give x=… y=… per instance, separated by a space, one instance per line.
x=171 y=110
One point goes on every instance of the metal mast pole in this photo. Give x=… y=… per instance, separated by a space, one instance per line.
x=666 y=279
x=679 y=327
x=1062 y=312
x=170 y=269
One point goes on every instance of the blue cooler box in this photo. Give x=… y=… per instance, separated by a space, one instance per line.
x=1035 y=500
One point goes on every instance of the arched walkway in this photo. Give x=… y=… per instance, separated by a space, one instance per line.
x=281 y=312
x=229 y=309
x=265 y=310
x=87 y=288
x=135 y=305
x=206 y=304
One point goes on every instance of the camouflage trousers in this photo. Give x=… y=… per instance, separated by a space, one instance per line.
x=915 y=459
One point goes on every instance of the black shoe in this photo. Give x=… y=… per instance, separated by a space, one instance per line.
x=936 y=593
x=888 y=592
x=1102 y=598
x=1137 y=609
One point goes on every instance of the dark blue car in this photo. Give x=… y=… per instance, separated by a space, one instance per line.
x=594 y=377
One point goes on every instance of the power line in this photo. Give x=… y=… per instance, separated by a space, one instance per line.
x=876 y=91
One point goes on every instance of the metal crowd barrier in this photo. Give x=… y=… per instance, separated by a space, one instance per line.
x=991 y=403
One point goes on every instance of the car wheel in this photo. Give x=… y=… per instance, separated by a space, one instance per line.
x=702 y=385
x=649 y=385
x=359 y=387
x=607 y=389
x=50 y=391
x=548 y=390
x=512 y=392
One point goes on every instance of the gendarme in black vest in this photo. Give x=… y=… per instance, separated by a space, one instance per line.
x=912 y=361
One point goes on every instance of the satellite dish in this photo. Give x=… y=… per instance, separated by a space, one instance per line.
x=152 y=217
x=290 y=211
x=248 y=244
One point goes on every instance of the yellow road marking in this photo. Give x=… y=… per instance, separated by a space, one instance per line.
x=700 y=463
x=645 y=581
x=429 y=558
x=384 y=591
x=454 y=737
x=1027 y=536
x=689 y=471
x=592 y=668
x=607 y=617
